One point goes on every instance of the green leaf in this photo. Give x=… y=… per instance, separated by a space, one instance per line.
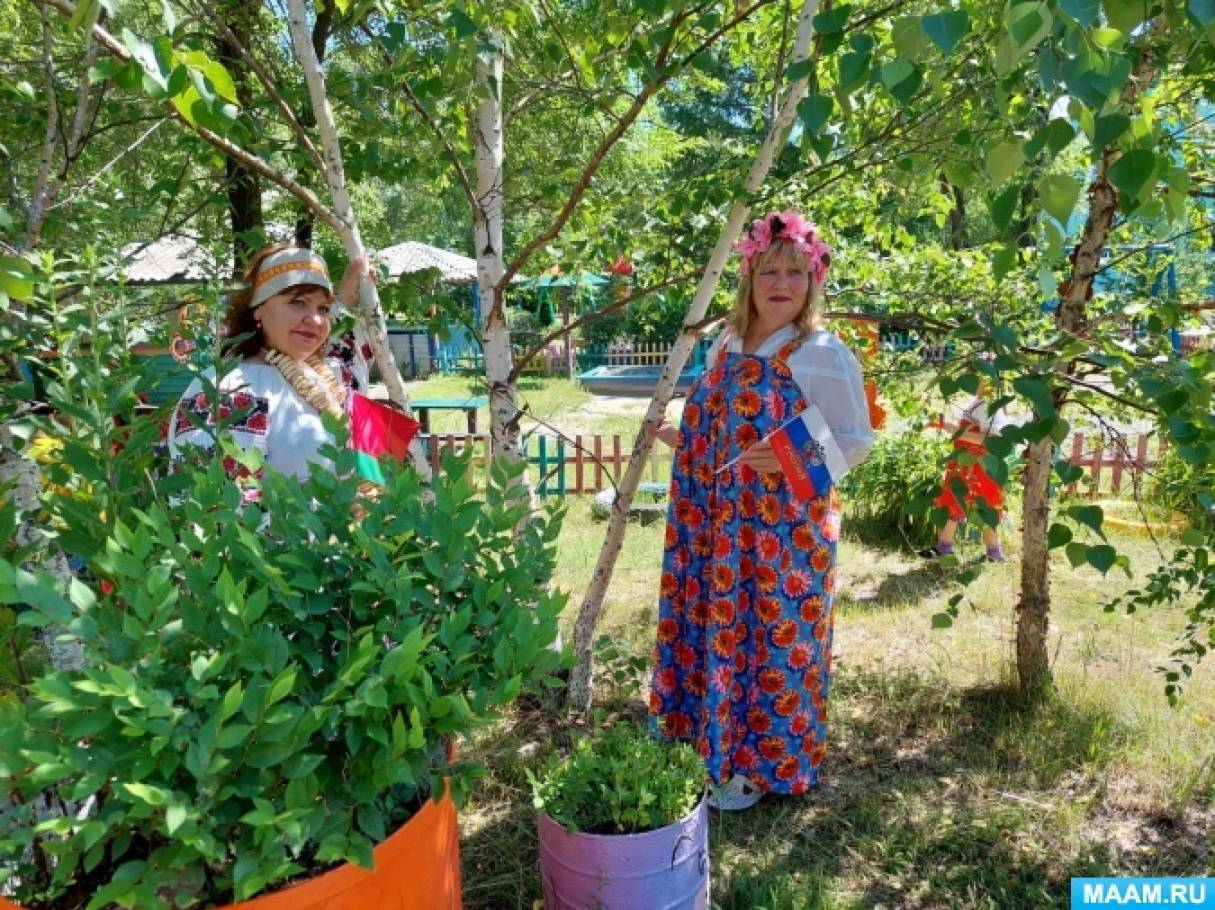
x=1003 y=206
x=1003 y=260
x=153 y=796
x=799 y=69
x=86 y=12
x=16 y=278
x=281 y=686
x=1132 y=171
x=1124 y=15
x=814 y=112
x=901 y=78
x=1106 y=130
x=1101 y=557
x=232 y=701
x=232 y=736
x=1058 y=535
x=1037 y=390
x=941 y=620
x=853 y=71
x=1003 y=158
x=1058 y=194
x=175 y=817
x=1028 y=24
x=1085 y=12
x=946 y=29
x=461 y=23
x=1076 y=553
x=833 y=20
x=908 y=37
x=1090 y=516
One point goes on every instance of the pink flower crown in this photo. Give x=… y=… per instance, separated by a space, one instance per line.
x=792 y=228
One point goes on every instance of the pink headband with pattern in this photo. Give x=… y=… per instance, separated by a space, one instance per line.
x=792 y=228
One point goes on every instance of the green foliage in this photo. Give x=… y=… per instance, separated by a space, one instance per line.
x=620 y=781
x=888 y=496
x=268 y=686
x=620 y=670
x=1186 y=487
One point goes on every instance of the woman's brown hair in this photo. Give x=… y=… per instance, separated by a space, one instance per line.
x=242 y=333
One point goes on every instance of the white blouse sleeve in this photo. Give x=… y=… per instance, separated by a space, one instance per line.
x=249 y=429
x=716 y=347
x=829 y=375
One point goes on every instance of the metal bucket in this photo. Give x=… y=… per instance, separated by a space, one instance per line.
x=667 y=869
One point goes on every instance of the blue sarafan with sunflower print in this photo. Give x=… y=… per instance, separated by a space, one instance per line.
x=743 y=656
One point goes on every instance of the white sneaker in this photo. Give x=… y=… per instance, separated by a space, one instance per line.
x=734 y=795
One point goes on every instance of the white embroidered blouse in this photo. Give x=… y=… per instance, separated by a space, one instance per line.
x=828 y=374
x=277 y=421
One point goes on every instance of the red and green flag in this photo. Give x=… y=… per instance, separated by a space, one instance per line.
x=378 y=431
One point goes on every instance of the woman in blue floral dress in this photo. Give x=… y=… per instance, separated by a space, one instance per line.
x=743 y=652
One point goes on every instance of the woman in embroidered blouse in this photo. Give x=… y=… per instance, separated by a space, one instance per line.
x=743 y=652
x=290 y=372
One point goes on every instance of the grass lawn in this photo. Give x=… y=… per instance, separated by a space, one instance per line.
x=941 y=789
x=560 y=403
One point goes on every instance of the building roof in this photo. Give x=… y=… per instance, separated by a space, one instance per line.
x=172 y=259
x=175 y=259
x=411 y=256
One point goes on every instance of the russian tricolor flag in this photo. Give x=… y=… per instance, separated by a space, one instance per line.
x=808 y=454
x=378 y=431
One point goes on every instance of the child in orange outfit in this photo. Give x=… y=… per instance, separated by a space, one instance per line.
x=976 y=423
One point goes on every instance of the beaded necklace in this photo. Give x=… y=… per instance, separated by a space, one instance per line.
x=328 y=396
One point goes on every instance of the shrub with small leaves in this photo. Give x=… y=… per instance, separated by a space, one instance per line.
x=620 y=781
x=888 y=496
x=268 y=687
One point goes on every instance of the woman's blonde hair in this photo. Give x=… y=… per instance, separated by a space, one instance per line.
x=809 y=319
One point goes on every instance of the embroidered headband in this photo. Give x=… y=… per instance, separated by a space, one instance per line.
x=286 y=269
x=793 y=229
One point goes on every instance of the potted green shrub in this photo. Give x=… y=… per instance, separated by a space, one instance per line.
x=268 y=687
x=623 y=823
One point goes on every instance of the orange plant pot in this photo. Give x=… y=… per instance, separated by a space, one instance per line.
x=417 y=868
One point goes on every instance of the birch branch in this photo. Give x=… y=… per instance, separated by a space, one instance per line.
x=665 y=70
x=432 y=124
x=592 y=604
x=251 y=161
x=266 y=82
x=36 y=213
x=345 y=223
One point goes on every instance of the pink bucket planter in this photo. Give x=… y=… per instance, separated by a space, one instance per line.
x=666 y=869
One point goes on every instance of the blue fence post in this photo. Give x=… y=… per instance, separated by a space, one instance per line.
x=560 y=466
x=543 y=466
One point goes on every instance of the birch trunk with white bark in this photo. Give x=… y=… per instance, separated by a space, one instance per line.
x=579 y=697
x=369 y=311
x=15 y=465
x=487 y=238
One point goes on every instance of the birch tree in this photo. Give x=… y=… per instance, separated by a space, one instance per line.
x=588 y=612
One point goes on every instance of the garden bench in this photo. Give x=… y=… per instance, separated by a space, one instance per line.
x=423 y=406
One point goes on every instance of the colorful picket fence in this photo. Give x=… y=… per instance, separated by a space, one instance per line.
x=591 y=462
x=1125 y=461
x=563 y=466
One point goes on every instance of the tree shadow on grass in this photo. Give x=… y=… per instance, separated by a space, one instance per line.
x=896 y=589
x=933 y=797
